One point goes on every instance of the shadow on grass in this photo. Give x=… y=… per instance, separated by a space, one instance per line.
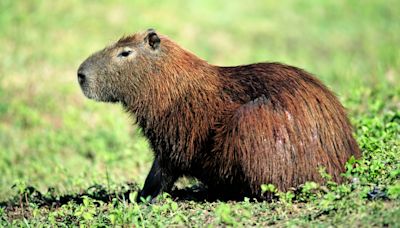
x=19 y=204
x=30 y=195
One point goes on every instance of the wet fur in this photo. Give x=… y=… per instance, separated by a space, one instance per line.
x=235 y=128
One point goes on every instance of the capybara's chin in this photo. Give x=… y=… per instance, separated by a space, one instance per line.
x=233 y=128
x=88 y=92
x=100 y=97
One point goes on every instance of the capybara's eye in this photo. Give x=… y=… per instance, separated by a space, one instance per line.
x=125 y=53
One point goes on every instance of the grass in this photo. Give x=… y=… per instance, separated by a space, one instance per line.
x=56 y=143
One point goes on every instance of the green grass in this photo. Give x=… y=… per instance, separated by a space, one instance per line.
x=59 y=142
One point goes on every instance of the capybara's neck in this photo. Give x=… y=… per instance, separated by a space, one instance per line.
x=176 y=80
x=181 y=103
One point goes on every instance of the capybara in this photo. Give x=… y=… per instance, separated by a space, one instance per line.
x=232 y=128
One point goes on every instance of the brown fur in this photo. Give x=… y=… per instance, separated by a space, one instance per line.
x=233 y=128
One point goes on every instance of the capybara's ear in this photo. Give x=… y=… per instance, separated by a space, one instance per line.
x=152 y=39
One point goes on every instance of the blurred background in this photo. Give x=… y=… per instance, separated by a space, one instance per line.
x=52 y=136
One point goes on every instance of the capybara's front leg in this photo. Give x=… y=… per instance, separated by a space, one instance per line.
x=157 y=181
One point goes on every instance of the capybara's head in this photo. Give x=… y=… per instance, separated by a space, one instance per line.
x=119 y=71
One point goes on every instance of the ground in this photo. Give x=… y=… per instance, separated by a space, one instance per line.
x=66 y=160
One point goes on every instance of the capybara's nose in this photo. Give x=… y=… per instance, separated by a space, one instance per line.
x=81 y=77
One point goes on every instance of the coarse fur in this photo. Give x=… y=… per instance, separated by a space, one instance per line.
x=233 y=128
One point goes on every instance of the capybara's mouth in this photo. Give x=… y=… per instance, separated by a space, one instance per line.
x=85 y=90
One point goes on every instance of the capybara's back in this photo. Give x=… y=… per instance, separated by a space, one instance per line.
x=233 y=128
x=288 y=126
